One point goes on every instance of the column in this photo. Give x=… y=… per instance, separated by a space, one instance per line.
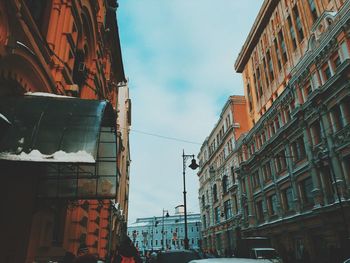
x=293 y=184
x=317 y=191
x=335 y=168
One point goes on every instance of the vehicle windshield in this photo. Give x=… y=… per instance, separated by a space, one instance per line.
x=268 y=254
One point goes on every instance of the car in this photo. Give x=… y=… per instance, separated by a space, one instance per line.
x=176 y=256
x=347 y=261
x=230 y=260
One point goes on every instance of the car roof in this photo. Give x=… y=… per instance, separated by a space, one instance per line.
x=229 y=260
x=264 y=248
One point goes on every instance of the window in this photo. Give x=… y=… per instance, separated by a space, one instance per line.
x=259 y=211
x=307 y=90
x=217 y=214
x=316 y=133
x=267 y=171
x=281 y=163
x=298 y=23
x=260 y=91
x=233 y=175
x=269 y=62
x=224 y=184
x=255 y=180
x=313 y=9
x=326 y=72
x=298 y=150
x=235 y=203
x=287 y=195
x=215 y=193
x=272 y=199
x=306 y=187
x=265 y=72
x=283 y=47
x=292 y=33
x=278 y=56
x=336 y=119
x=336 y=60
x=227 y=209
x=203 y=201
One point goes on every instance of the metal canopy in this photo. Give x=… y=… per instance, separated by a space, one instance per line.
x=73 y=141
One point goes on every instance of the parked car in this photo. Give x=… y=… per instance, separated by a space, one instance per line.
x=177 y=256
x=230 y=260
x=347 y=261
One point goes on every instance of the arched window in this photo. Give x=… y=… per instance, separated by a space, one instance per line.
x=224 y=184
x=215 y=193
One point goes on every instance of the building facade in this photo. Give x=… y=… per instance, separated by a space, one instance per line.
x=65 y=48
x=218 y=192
x=294 y=163
x=165 y=232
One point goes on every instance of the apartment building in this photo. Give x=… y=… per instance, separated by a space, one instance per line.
x=294 y=163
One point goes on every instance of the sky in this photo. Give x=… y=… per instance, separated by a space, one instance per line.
x=179 y=59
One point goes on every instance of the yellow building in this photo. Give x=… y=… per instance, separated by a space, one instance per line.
x=294 y=164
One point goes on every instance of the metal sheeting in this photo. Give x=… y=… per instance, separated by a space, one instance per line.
x=51 y=125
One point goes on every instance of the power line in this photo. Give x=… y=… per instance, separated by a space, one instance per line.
x=164 y=137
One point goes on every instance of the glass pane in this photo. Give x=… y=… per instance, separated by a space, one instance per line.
x=107 y=187
x=106 y=168
x=86 y=187
x=67 y=188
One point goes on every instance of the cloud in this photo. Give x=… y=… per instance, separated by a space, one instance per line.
x=179 y=57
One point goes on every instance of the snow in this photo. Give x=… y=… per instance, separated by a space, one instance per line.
x=59 y=156
x=4 y=118
x=44 y=94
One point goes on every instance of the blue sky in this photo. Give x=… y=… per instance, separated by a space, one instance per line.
x=179 y=57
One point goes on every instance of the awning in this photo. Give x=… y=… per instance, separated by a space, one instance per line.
x=73 y=140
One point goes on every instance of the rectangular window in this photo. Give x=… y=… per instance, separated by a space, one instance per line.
x=292 y=33
x=258 y=75
x=288 y=199
x=265 y=72
x=272 y=204
x=267 y=171
x=217 y=214
x=259 y=211
x=281 y=163
x=313 y=9
x=283 y=47
x=235 y=202
x=298 y=150
x=306 y=188
x=269 y=62
x=255 y=180
x=228 y=209
x=337 y=121
x=298 y=23
x=307 y=90
x=336 y=60
x=278 y=56
x=327 y=74
x=316 y=132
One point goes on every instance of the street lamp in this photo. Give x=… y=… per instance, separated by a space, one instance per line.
x=193 y=166
x=166 y=215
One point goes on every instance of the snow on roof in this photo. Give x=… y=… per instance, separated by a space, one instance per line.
x=45 y=94
x=140 y=224
x=59 y=156
x=4 y=118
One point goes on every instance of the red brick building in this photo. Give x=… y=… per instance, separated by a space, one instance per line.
x=59 y=203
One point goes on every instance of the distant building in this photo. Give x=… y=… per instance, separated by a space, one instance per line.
x=147 y=233
x=218 y=192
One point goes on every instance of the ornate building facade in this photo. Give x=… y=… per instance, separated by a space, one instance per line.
x=69 y=49
x=219 y=193
x=294 y=163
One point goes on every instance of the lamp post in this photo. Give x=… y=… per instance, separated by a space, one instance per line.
x=166 y=215
x=193 y=166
